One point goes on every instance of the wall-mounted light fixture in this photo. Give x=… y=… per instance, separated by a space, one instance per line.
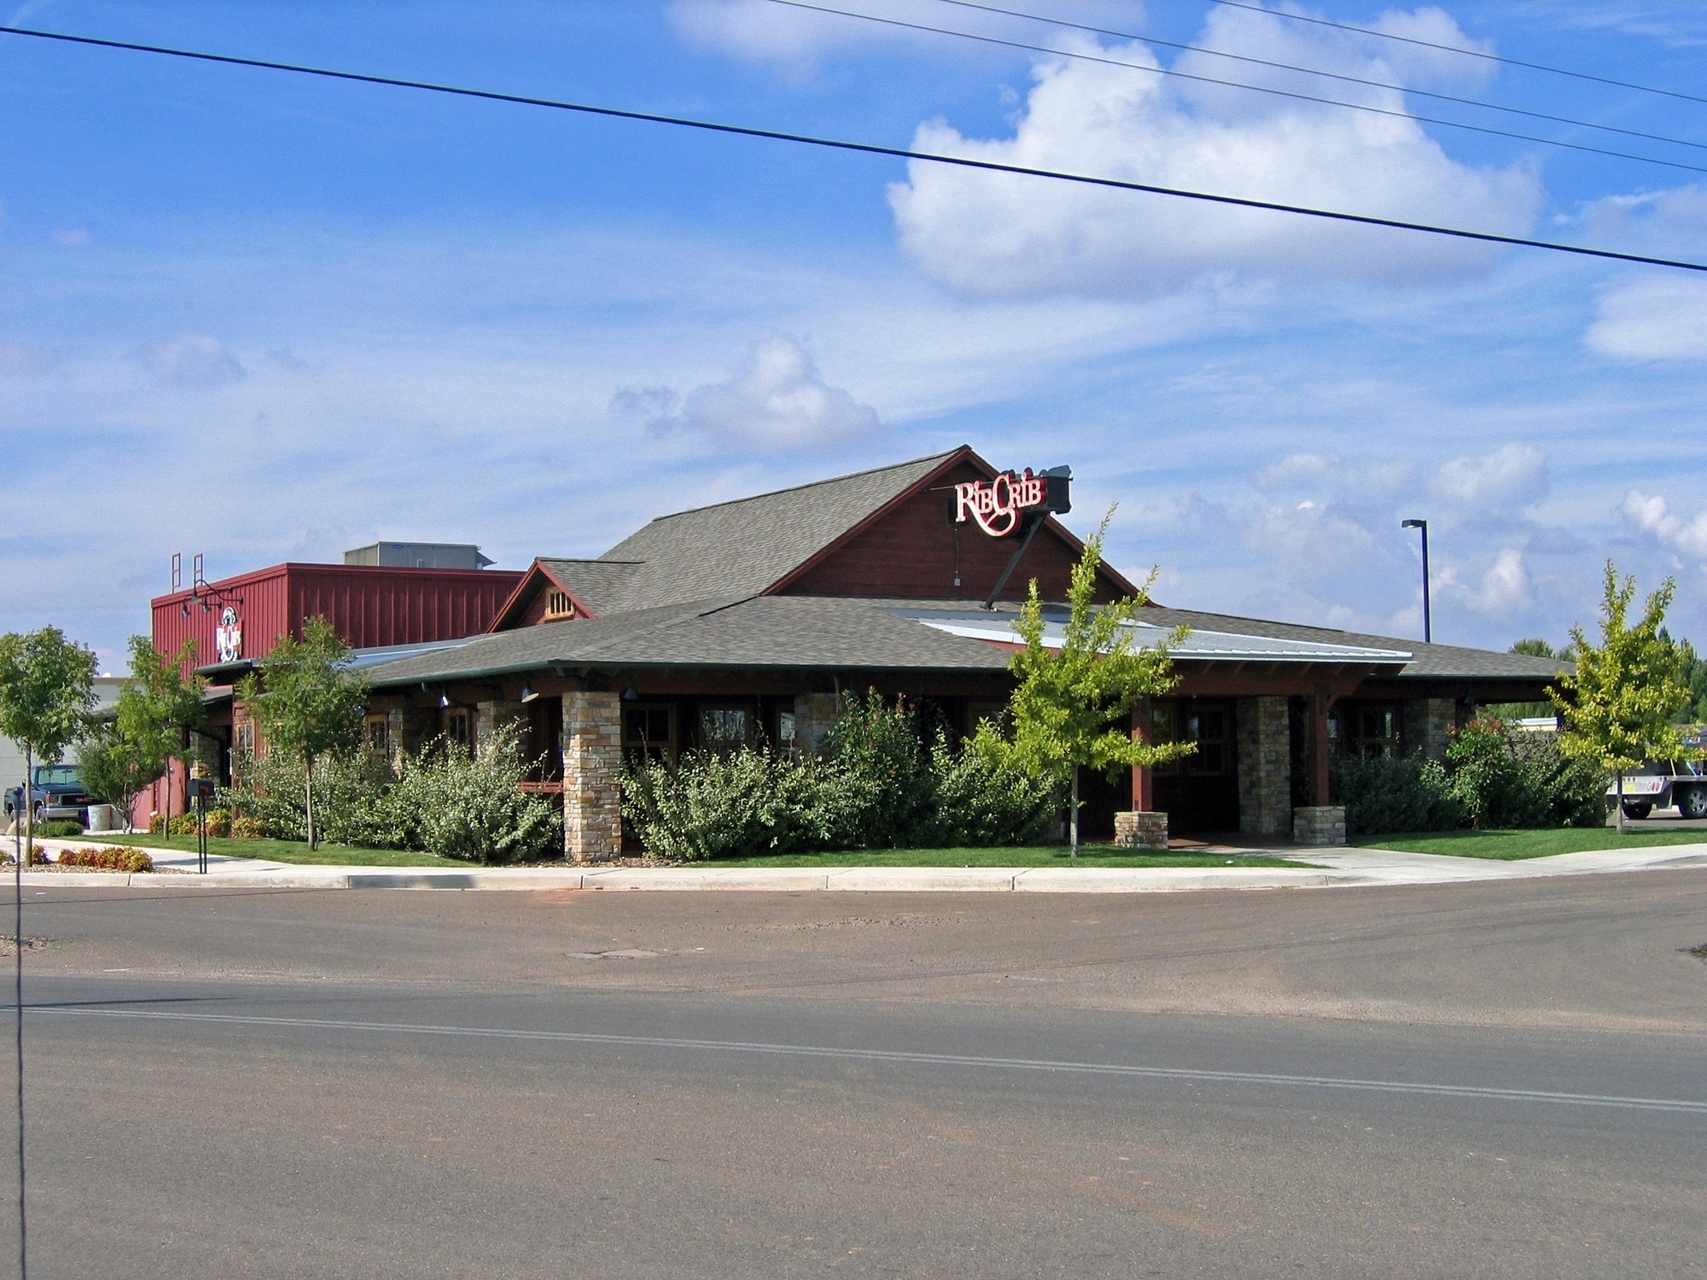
x=631 y=694
x=528 y=694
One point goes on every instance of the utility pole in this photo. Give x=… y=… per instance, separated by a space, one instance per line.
x=1428 y=631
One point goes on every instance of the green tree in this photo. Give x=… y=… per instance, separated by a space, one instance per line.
x=1073 y=706
x=157 y=704
x=1619 y=706
x=307 y=702
x=47 y=689
x=1534 y=647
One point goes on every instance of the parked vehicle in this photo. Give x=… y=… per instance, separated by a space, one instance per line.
x=1659 y=784
x=56 y=791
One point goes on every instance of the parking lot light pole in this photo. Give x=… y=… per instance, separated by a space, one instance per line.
x=1428 y=631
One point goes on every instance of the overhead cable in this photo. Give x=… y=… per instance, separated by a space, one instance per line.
x=1239 y=84
x=1317 y=71
x=1453 y=48
x=864 y=148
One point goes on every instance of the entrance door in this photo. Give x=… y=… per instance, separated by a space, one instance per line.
x=1199 y=792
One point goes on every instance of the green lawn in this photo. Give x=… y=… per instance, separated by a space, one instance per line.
x=1052 y=855
x=284 y=851
x=1510 y=846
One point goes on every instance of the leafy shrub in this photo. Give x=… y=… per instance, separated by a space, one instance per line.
x=716 y=805
x=58 y=828
x=247 y=828
x=357 y=803
x=1487 y=779
x=32 y=858
x=981 y=798
x=1490 y=778
x=876 y=788
x=108 y=858
x=471 y=806
x=1570 y=790
x=184 y=824
x=887 y=785
x=1399 y=793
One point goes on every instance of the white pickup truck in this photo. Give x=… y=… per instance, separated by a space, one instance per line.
x=1659 y=784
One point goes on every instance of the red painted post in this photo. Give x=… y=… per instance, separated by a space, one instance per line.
x=1319 y=747
x=1143 y=782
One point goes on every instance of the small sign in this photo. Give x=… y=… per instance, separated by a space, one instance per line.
x=228 y=635
x=998 y=506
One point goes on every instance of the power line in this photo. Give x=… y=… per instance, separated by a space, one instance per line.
x=1239 y=84
x=1316 y=71
x=863 y=148
x=1453 y=48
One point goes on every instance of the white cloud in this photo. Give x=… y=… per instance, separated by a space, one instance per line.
x=984 y=234
x=192 y=360
x=777 y=399
x=1506 y=587
x=1653 y=318
x=1653 y=516
x=1505 y=481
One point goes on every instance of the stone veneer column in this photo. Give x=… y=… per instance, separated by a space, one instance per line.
x=490 y=717
x=1319 y=824
x=1428 y=726
x=814 y=716
x=592 y=776
x=1265 y=766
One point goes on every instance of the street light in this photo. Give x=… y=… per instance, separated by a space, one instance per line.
x=1428 y=632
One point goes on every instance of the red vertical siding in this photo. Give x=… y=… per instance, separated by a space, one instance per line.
x=369 y=606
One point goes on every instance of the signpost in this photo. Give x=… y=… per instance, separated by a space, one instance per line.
x=201 y=791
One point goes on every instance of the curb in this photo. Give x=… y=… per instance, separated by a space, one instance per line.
x=1344 y=871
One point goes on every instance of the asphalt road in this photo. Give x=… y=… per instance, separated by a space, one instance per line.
x=1472 y=1080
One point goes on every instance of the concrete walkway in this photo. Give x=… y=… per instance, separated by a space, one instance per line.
x=1331 y=867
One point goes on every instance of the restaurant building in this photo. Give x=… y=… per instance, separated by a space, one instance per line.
x=743 y=622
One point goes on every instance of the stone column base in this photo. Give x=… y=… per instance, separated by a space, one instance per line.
x=1141 y=829
x=1318 y=824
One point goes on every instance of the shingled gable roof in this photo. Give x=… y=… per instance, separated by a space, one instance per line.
x=594 y=585
x=749 y=546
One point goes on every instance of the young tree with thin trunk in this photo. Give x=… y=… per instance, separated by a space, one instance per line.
x=47 y=689
x=157 y=705
x=1073 y=707
x=1619 y=706
x=307 y=702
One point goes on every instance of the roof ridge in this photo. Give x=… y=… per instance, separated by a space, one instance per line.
x=811 y=484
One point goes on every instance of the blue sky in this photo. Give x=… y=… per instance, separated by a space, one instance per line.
x=266 y=317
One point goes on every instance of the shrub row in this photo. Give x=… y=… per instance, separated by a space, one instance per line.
x=446 y=800
x=108 y=858
x=877 y=785
x=1490 y=778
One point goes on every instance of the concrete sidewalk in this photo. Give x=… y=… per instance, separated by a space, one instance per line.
x=1331 y=867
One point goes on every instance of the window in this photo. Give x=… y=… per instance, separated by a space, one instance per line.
x=1208 y=729
x=649 y=734
x=1164 y=727
x=724 y=728
x=377 y=730
x=785 y=730
x=1205 y=724
x=458 y=726
x=1372 y=731
x=558 y=605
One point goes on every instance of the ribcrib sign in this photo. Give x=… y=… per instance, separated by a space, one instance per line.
x=998 y=506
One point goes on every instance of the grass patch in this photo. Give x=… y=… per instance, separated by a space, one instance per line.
x=1511 y=846
x=295 y=851
x=1051 y=855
